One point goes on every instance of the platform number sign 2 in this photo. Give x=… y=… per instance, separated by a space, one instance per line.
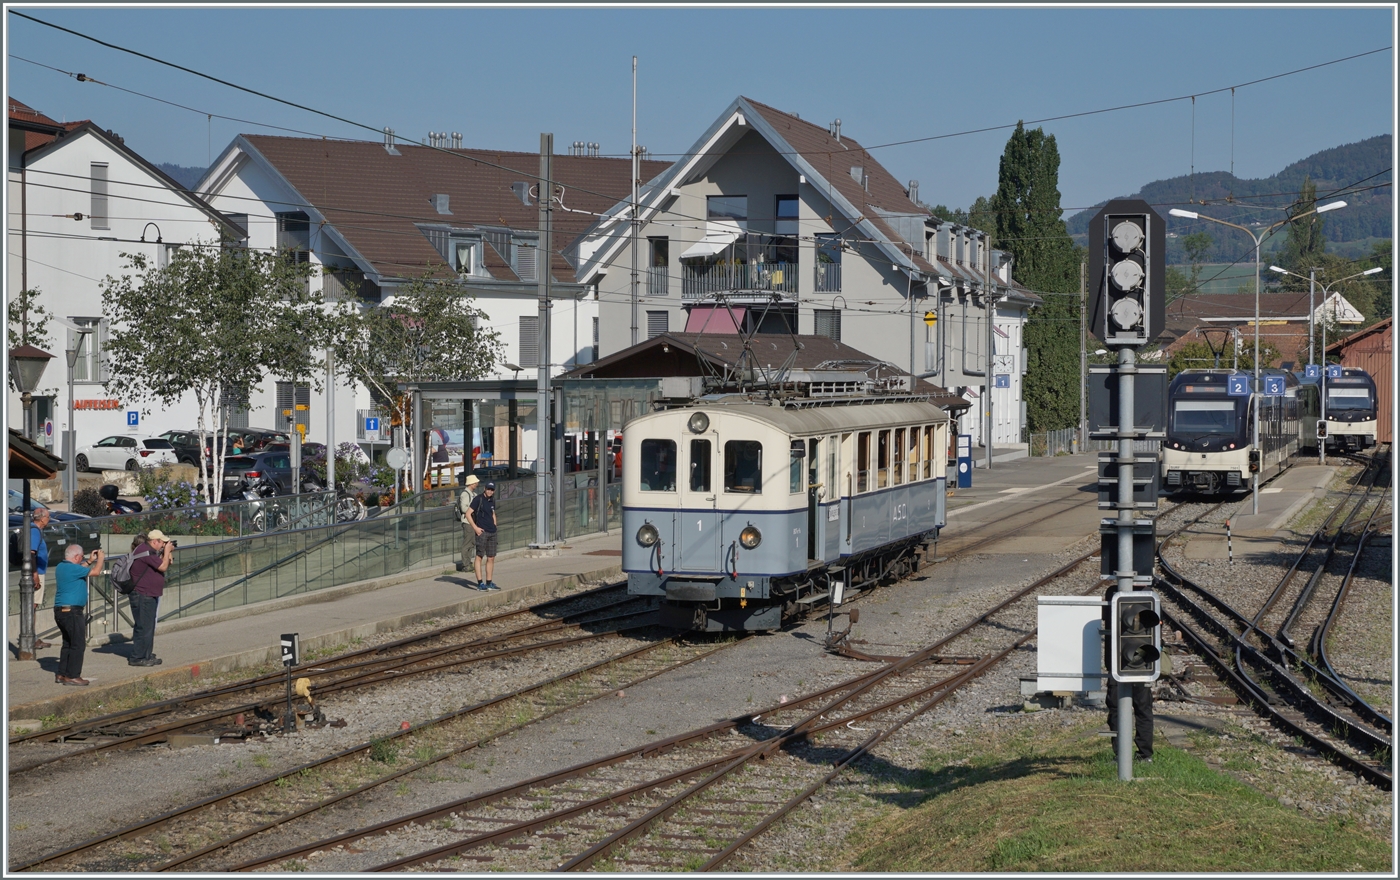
x=1238 y=386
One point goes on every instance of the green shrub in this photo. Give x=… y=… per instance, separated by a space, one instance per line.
x=89 y=502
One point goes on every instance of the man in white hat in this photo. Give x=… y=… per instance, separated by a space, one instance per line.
x=464 y=503
x=152 y=559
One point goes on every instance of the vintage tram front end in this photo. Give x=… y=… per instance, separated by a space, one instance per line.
x=1351 y=410
x=737 y=511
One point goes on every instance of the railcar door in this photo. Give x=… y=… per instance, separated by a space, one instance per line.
x=697 y=521
x=814 y=548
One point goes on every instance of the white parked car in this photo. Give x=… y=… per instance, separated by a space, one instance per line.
x=124 y=452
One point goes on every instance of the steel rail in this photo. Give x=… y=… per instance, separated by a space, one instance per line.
x=149 y=824
x=309 y=668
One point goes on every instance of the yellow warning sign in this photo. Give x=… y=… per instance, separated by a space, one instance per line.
x=930 y=318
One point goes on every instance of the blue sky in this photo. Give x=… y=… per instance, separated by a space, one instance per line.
x=501 y=76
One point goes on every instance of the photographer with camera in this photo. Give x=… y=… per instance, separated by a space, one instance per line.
x=70 y=611
x=148 y=577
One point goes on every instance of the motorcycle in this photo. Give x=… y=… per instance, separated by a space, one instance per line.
x=348 y=508
x=115 y=505
x=267 y=513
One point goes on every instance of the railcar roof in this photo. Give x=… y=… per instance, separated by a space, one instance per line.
x=825 y=419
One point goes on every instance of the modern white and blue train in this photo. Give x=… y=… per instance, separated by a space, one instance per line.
x=1209 y=446
x=739 y=509
x=1350 y=410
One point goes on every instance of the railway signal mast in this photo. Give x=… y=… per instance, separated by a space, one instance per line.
x=1127 y=260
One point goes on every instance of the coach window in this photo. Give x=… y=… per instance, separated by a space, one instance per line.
x=743 y=466
x=882 y=463
x=898 y=475
x=796 y=463
x=863 y=461
x=832 y=490
x=699 y=465
x=930 y=432
x=658 y=466
x=913 y=453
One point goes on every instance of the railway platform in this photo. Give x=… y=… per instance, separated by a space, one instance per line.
x=203 y=646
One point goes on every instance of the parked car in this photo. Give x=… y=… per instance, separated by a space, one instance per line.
x=15 y=503
x=250 y=440
x=308 y=450
x=124 y=452
x=276 y=466
x=187 y=445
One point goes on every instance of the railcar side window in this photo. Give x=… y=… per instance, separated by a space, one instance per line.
x=796 y=461
x=832 y=489
x=658 y=466
x=699 y=465
x=898 y=456
x=863 y=461
x=913 y=453
x=883 y=462
x=743 y=466
x=929 y=451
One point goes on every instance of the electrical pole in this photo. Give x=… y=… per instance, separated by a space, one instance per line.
x=1083 y=363
x=991 y=342
x=636 y=172
x=330 y=427
x=542 y=395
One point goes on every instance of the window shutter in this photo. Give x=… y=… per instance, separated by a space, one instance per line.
x=658 y=323
x=525 y=262
x=99 y=196
x=829 y=323
x=529 y=340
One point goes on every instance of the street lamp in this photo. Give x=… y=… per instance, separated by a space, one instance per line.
x=1326 y=292
x=1192 y=215
x=27 y=365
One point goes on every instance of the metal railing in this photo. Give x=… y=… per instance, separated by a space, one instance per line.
x=658 y=280
x=827 y=278
x=1066 y=442
x=698 y=281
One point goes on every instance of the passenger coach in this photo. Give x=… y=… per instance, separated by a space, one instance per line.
x=737 y=510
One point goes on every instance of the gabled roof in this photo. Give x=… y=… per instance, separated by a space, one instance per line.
x=1380 y=328
x=115 y=142
x=38 y=129
x=1240 y=306
x=672 y=355
x=374 y=200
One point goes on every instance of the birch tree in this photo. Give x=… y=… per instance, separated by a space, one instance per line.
x=213 y=323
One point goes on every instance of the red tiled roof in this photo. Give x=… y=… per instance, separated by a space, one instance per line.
x=374 y=199
x=1240 y=306
x=34 y=124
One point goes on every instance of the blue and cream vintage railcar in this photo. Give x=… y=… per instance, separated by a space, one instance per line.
x=1209 y=446
x=1350 y=410
x=737 y=509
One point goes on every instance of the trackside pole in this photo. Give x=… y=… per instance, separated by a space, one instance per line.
x=1127 y=369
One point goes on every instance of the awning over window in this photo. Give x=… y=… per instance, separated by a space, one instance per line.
x=714 y=319
x=718 y=236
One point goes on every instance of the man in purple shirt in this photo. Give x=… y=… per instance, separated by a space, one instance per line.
x=148 y=577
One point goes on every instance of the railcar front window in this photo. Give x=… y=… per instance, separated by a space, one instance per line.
x=658 y=466
x=1349 y=399
x=699 y=465
x=743 y=466
x=1200 y=418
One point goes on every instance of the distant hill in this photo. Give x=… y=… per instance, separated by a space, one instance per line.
x=185 y=175
x=1340 y=172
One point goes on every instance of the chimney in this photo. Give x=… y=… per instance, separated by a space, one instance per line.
x=440 y=201
x=389 y=143
x=914 y=191
x=835 y=130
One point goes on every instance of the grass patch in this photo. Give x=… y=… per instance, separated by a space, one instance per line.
x=1054 y=803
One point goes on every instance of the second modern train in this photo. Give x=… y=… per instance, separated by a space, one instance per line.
x=1350 y=411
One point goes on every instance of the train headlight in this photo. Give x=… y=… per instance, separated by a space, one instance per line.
x=647 y=535
x=750 y=537
x=699 y=423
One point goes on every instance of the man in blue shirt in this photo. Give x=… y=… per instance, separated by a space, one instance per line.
x=39 y=520
x=70 y=611
x=481 y=514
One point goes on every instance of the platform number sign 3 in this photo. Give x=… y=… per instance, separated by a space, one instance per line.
x=1273 y=386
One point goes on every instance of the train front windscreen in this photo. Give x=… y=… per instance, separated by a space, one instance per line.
x=1342 y=399
x=1215 y=422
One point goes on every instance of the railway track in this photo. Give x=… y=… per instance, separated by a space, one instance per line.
x=1266 y=671
x=694 y=800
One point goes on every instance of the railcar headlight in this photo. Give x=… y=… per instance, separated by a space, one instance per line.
x=750 y=537
x=699 y=423
x=647 y=535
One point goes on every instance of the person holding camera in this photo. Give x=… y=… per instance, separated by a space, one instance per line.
x=70 y=601
x=148 y=579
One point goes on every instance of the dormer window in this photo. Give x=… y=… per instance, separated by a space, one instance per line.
x=464 y=257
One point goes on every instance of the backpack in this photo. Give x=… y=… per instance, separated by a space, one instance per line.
x=121 y=573
x=16 y=555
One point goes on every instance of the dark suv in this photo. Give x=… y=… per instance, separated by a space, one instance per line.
x=186 y=445
x=276 y=466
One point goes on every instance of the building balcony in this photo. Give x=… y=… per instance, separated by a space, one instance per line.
x=658 y=280
x=828 y=278
x=701 y=281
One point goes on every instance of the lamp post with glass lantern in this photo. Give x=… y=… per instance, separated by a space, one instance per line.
x=1322 y=386
x=27 y=365
x=1258 y=239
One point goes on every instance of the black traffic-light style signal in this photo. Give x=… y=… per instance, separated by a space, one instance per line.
x=1127 y=273
x=1136 y=635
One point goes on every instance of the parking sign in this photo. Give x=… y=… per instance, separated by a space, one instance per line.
x=133 y=418
x=1238 y=386
x=1273 y=386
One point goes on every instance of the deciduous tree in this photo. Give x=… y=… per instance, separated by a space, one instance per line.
x=1029 y=226
x=212 y=323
